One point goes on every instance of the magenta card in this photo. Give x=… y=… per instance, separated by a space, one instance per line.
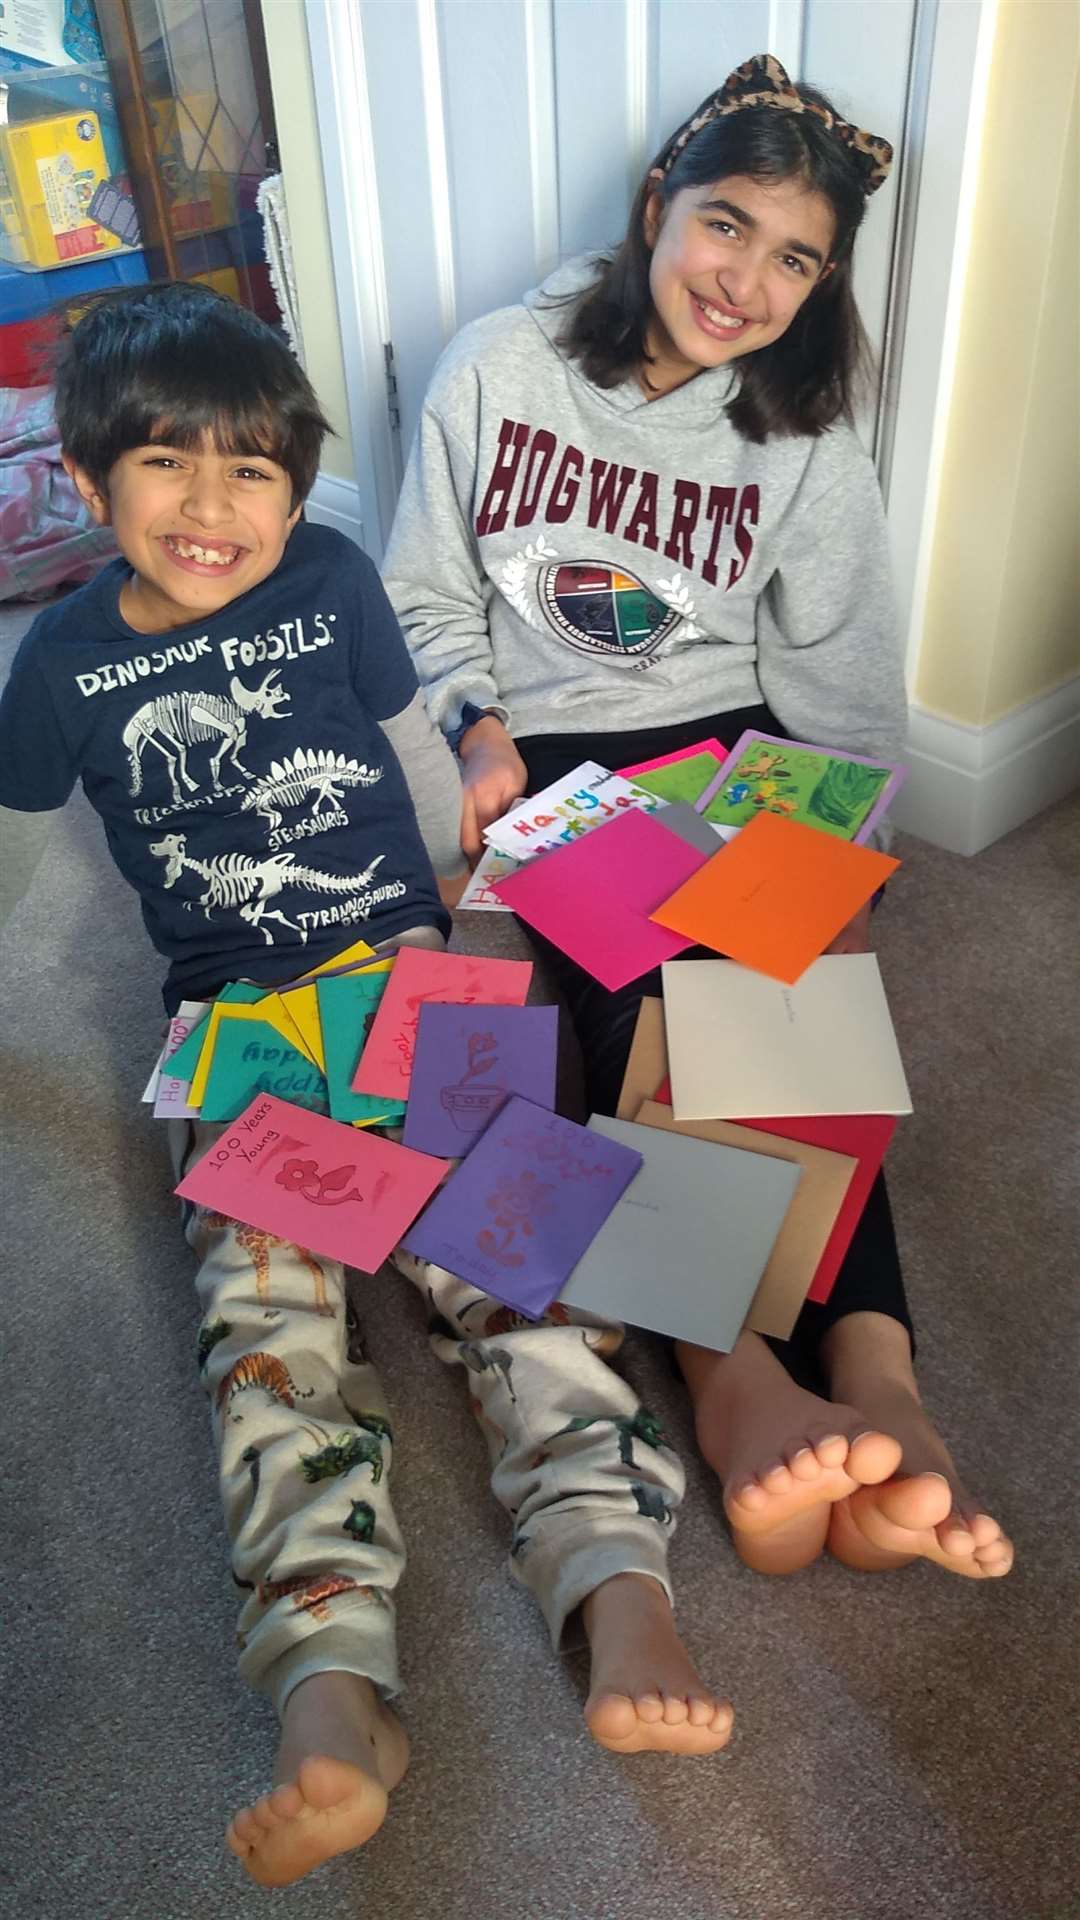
x=469 y=1060
x=669 y=759
x=516 y=1216
x=316 y=1182
x=385 y=1066
x=593 y=898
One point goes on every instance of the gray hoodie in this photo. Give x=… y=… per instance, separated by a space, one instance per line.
x=588 y=560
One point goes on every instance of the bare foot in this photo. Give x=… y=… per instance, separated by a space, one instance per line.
x=784 y=1455
x=341 y=1755
x=924 y=1511
x=645 y=1695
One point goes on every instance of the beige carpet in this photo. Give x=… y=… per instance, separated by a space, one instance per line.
x=903 y=1742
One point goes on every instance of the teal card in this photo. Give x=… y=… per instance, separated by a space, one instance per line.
x=251 y=1057
x=347 y=1006
x=183 y=1062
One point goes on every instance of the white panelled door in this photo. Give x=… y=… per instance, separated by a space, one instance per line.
x=494 y=138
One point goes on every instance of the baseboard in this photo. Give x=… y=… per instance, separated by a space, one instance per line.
x=969 y=785
x=336 y=503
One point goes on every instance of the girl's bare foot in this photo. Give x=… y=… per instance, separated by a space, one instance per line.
x=645 y=1695
x=341 y=1755
x=784 y=1456
x=923 y=1511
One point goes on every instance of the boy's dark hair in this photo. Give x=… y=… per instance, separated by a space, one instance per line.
x=167 y=363
x=811 y=376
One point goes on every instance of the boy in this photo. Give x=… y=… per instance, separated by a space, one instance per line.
x=236 y=696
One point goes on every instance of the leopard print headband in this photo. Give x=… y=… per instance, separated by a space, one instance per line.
x=762 y=82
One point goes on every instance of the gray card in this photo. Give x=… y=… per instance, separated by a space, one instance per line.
x=680 y=819
x=684 y=1247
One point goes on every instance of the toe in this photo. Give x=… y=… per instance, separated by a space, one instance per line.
x=831 y=1450
x=803 y=1462
x=955 y=1538
x=701 y=1710
x=650 y=1707
x=917 y=1503
x=675 y=1710
x=776 y=1479
x=872 y=1457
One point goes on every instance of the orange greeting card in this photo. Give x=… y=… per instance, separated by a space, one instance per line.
x=776 y=895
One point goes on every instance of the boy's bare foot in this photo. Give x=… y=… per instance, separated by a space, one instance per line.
x=341 y=1755
x=784 y=1455
x=924 y=1511
x=645 y=1695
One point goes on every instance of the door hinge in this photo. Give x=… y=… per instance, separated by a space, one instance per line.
x=392 y=403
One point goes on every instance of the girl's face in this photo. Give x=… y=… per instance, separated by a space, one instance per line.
x=732 y=264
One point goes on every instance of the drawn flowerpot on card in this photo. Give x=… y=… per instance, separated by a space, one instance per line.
x=471 y=1101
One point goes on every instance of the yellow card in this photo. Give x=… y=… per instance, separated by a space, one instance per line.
x=337 y=964
x=301 y=1006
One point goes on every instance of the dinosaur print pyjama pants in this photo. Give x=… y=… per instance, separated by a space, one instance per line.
x=305 y=1446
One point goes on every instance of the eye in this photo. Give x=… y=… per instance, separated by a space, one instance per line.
x=251 y=473
x=723 y=226
x=160 y=460
x=792 y=261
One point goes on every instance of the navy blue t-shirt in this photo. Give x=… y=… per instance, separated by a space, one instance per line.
x=247 y=789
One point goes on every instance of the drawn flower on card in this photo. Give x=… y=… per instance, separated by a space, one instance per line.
x=516 y=1205
x=322 y=1189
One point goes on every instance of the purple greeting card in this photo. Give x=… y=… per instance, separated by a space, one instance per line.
x=519 y=1212
x=839 y=793
x=468 y=1061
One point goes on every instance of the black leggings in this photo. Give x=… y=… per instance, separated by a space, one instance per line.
x=869 y=1279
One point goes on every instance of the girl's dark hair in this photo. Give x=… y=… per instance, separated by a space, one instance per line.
x=168 y=363
x=811 y=376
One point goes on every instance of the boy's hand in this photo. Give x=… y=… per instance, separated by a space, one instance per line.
x=452 y=886
x=493 y=778
x=855 y=937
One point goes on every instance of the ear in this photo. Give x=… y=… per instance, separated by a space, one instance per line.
x=293 y=518
x=653 y=218
x=88 y=490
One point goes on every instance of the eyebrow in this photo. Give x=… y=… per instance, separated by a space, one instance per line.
x=747 y=220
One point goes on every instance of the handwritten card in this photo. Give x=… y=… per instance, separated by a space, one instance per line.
x=170 y=1097
x=680 y=776
x=685 y=1248
x=315 y=1182
x=711 y=747
x=741 y=1044
x=186 y=1058
x=468 y=1062
x=804 y=1229
x=480 y=896
x=839 y=793
x=776 y=896
x=347 y=1004
x=385 y=1067
x=566 y=810
x=517 y=1214
x=251 y=1057
x=593 y=900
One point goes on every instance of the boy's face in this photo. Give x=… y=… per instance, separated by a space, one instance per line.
x=199 y=528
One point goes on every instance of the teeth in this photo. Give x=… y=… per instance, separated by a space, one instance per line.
x=206 y=556
x=718 y=319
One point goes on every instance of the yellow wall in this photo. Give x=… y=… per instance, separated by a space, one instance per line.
x=1002 y=621
x=298 y=141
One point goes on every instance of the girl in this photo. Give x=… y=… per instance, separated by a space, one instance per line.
x=637 y=514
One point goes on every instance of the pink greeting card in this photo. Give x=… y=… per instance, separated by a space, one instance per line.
x=593 y=899
x=668 y=759
x=315 y=1182
x=460 y=979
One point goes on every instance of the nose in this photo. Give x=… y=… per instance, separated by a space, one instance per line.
x=739 y=282
x=206 y=499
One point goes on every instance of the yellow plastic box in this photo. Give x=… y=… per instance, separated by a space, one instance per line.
x=50 y=170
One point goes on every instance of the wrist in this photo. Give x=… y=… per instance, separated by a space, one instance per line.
x=487 y=731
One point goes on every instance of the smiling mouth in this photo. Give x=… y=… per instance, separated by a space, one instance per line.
x=191 y=551
x=726 y=322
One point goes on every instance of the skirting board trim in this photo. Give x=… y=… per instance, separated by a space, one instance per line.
x=336 y=503
x=969 y=785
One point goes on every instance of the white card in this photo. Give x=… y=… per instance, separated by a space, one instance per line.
x=744 y=1046
x=170 y=1102
x=583 y=799
x=480 y=896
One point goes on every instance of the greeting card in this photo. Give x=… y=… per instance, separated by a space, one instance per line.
x=419 y=975
x=594 y=899
x=839 y=793
x=250 y=1057
x=314 y=1182
x=347 y=1006
x=468 y=1062
x=517 y=1214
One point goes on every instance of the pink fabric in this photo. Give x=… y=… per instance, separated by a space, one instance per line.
x=47 y=536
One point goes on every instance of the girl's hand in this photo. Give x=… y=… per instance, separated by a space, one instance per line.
x=451 y=887
x=855 y=937
x=493 y=778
